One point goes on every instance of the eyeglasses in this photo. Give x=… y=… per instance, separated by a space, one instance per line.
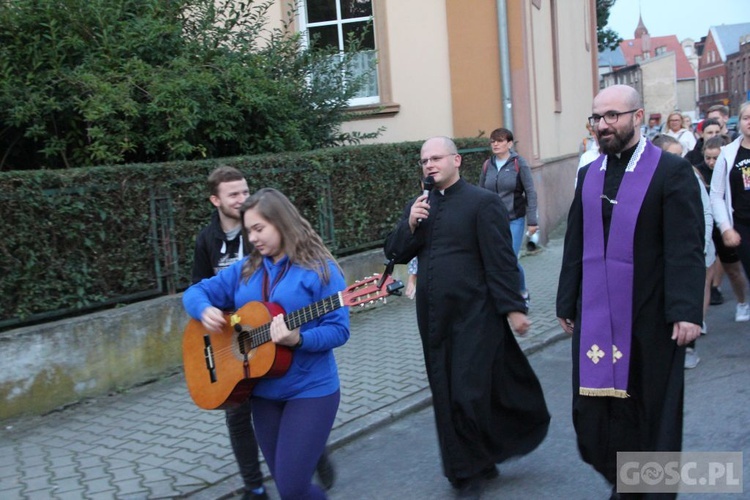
x=610 y=117
x=434 y=159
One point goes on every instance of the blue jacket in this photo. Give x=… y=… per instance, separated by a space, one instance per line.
x=313 y=372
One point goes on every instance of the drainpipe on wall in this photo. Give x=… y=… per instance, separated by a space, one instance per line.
x=502 y=35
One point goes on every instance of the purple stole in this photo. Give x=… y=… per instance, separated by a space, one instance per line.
x=607 y=296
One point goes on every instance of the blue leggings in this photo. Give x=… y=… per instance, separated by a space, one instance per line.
x=516 y=232
x=293 y=435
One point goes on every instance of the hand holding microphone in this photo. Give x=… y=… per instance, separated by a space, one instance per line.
x=421 y=206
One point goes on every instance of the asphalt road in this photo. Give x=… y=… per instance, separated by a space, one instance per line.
x=401 y=460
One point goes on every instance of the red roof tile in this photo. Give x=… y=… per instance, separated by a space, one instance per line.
x=633 y=47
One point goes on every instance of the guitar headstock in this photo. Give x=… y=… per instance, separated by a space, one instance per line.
x=366 y=292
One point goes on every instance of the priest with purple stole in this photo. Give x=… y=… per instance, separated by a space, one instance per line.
x=631 y=287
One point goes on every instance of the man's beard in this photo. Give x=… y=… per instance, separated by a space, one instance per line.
x=229 y=213
x=616 y=141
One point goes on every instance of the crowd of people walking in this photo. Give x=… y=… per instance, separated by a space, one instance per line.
x=645 y=231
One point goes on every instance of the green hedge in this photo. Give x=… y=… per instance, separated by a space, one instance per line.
x=81 y=238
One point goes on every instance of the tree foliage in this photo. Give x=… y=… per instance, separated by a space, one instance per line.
x=607 y=38
x=87 y=82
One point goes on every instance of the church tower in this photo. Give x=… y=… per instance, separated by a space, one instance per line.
x=641 y=32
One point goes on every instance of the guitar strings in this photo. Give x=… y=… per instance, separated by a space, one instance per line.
x=260 y=335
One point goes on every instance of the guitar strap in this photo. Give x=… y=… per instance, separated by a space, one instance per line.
x=266 y=290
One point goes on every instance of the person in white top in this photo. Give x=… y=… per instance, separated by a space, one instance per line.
x=730 y=198
x=676 y=130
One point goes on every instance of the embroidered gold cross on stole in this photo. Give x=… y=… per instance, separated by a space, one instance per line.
x=595 y=354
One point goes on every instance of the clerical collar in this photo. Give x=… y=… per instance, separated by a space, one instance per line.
x=452 y=187
x=630 y=155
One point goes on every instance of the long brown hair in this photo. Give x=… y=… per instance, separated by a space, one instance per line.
x=300 y=242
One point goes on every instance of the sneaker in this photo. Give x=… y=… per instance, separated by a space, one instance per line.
x=743 y=312
x=257 y=494
x=691 y=358
x=716 y=296
x=527 y=299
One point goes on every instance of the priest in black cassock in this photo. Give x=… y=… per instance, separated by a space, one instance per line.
x=631 y=287
x=488 y=403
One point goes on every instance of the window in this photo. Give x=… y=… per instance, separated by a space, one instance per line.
x=330 y=23
x=660 y=50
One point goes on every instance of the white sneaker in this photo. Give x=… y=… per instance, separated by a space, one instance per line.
x=743 y=312
x=691 y=358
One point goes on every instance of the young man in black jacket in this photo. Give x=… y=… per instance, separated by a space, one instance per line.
x=219 y=245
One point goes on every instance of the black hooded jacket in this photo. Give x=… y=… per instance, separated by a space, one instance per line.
x=213 y=252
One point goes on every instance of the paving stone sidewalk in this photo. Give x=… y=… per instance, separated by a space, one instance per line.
x=152 y=442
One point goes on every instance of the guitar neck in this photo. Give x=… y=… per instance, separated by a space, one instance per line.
x=306 y=314
x=295 y=319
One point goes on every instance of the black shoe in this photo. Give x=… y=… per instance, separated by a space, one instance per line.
x=490 y=472
x=250 y=495
x=716 y=296
x=326 y=472
x=471 y=488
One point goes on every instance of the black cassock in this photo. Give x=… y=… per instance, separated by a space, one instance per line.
x=488 y=403
x=669 y=273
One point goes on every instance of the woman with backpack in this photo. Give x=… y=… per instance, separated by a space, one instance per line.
x=509 y=175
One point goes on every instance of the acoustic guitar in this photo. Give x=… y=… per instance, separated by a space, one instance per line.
x=221 y=368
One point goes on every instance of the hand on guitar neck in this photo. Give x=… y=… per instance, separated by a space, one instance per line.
x=282 y=335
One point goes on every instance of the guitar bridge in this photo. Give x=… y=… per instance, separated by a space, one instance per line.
x=208 y=353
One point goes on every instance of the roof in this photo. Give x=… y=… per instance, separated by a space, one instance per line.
x=727 y=37
x=634 y=47
x=612 y=58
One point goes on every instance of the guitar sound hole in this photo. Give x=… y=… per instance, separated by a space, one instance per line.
x=243 y=340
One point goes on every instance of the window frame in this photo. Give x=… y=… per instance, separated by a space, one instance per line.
x=304 y=26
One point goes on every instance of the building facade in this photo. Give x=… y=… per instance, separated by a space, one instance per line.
x=666 y=77
x=738 y=75
x=720 y=44
x=462 y=68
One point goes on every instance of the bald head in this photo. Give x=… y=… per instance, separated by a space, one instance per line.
x=625 y=94
x=441 y=161
x=442 y=142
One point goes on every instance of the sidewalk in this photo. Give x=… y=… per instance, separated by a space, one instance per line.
x=152 y=442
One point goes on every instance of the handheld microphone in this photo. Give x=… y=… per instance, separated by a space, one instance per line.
x=428 y=184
